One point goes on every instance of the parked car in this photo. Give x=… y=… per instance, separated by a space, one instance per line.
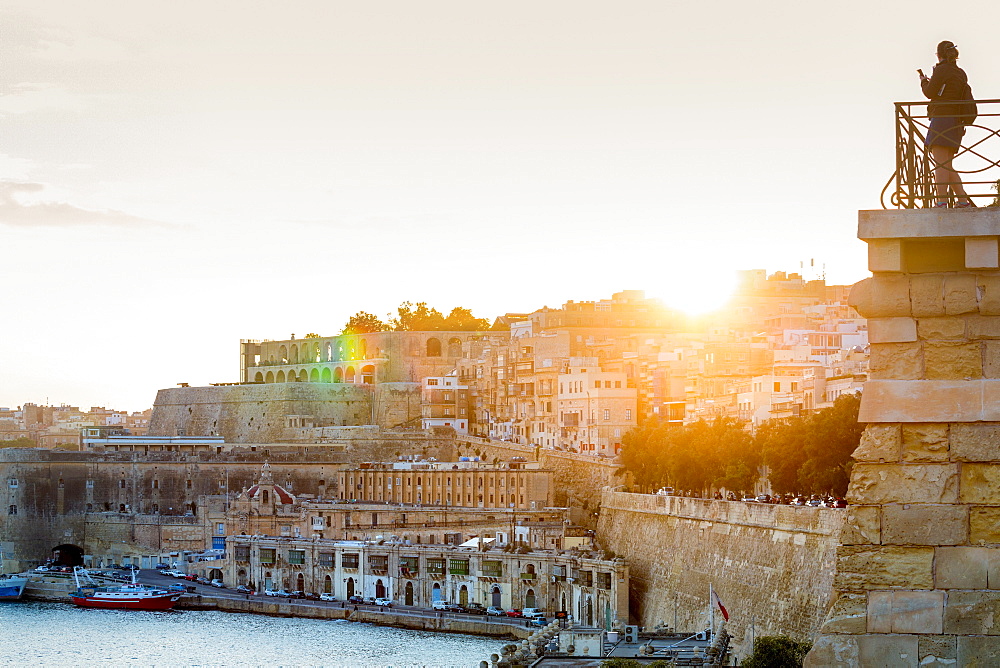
x=538 y=621
x=161 y=566
x=327 y=597
x=494 y=611
x=474 y=609
x=383 y=602
x=177 y=587
x=514 y=612
x=532 y=612
x=298 y=593
x=244 y=589
x=441 y=605
x=355 y=599
x=175 y=574
x=271 y=592
x=814 y=503
x=218 y=583
x=312 y=596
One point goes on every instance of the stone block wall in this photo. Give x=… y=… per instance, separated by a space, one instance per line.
x=918 y=568
x=771 y=565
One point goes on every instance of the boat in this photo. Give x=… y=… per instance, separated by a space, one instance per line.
x=122 y=596
x=12 y=587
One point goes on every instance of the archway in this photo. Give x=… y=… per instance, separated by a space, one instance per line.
x=368 y=374
x=300 y=582
x=280 y=378
x=283 y=355
x=408 y=594
x=590 y=611
x=241 y=577
x=455 y=347
x=325 y=377
x=379 y=589
x=269 y=378
x=364 y=350
x=338 y=375
x=327 y=585
x=268 y=582
x=433 y=348
x=303 y=376
x=496 y=597
x=329 y=352
x=67 y=554
x=314 y=376
x=463 y=595
x=215 y=574
x=349 y=377
x=258 y=377
x=529 y=599
x=350 y=587
x=436 y=592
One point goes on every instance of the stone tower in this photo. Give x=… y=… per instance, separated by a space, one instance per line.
x=918 y=568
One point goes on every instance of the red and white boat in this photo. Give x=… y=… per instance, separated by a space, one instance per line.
x=124 y=596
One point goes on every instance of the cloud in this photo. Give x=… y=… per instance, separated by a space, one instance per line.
x=16 y=212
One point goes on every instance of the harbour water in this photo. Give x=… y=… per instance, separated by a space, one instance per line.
x=56 y=634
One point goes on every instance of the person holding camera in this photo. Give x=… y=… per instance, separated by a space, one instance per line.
x=947 y=85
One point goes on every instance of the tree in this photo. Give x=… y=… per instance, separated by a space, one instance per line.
x=777 y=652
x=461 y=320
x=364 y=323
x=22 y=442
x=417 y=318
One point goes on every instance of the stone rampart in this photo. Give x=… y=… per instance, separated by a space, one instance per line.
x=771 y=565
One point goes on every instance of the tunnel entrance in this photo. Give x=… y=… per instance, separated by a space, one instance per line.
x=67 y=554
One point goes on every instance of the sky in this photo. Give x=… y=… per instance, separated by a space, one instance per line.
x=177 y=176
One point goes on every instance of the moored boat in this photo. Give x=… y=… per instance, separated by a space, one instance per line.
x=12 y=587
x=124 y=596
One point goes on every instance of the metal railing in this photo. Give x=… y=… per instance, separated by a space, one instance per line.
x=977 y=162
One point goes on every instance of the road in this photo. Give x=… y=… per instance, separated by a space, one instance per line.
x=156 y=578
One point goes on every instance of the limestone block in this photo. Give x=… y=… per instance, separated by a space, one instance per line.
x=980 y=253
x=892 y=330
x=891 y=296
x=975 y=442
x=862 y=299
x=925 y=442
x=979 y=652
x=972 y=612
x=983 y=327
x=963 y=567
x=960 y=294
x=989 y=295
x=980 y=484
x=905 y=611
x=862 y=526
x=896 y=361
x=991 y=401
x=984 y=528
x=937 y=650
x=941 y=328
x=927 y=295
x=879 y=443
x=887 y=650
x=847 y=615
x=946 y=360
x=925 y=400
x=833 y=651
x=924 y=524
x=885 y=255
x=906 y=483
x=880 y=567
x=991 y=359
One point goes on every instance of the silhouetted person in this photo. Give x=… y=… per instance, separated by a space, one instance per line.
x=946 y=85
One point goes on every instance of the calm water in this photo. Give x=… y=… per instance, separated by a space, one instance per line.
x=55 y=634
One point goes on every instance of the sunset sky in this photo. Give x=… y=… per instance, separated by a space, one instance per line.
x=177 y=176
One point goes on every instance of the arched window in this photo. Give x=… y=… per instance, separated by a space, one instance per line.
x=338 y=375
x=349 y=377
x=363 y=348
x=280 y=377
x=328 y=585
x=314 y=376
x=269 y=378
x=283 y=355
x=293 y=357
x=433 y=348
x=329 y=352
x=258 y=377
x=368 y=374
x=325 y=376
x=455 y=347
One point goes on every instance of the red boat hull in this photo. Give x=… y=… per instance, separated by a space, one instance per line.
x=137 y=603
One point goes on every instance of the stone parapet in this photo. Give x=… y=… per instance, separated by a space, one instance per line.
x=918 y=567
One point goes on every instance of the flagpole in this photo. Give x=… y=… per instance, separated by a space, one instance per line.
x=711 y=609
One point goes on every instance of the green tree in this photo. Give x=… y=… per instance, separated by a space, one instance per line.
x=22 y=442
x=364 y=323
x=417 y=318
x=777 y=652
x=461 y=320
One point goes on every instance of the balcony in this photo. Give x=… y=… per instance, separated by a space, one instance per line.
x=977 y=162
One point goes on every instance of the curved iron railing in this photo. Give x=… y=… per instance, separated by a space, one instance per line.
x=912 y=184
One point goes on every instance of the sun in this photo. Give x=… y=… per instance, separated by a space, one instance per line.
x=698 y=294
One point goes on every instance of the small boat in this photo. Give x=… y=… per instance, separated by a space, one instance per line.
x=12 y=587
x=124 y=596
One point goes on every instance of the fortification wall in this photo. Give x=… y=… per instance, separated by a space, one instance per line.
x=771 y=565
x=257 y=413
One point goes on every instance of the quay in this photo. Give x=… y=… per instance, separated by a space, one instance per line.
x=57 y=588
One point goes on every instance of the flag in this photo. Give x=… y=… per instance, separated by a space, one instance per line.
x=718 y=602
